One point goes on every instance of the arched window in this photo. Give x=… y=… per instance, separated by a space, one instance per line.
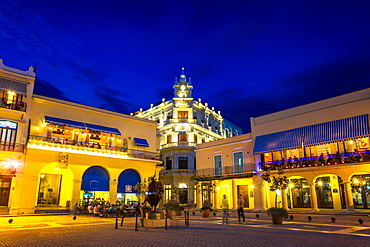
x=8 y=133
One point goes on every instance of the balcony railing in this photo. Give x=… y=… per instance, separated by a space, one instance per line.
x=179 y=144
x=176 y=172
x=19 y=106
x=227 y=171
x=57 y=143
x=12 y=147
x=329 y=160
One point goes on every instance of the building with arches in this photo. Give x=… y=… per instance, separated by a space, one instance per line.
x=182 y=124
x=324 y=150
x=55 y=153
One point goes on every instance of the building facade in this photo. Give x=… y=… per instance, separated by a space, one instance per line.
x=16 y=87
x=226 y=167
x=182 y=124
x=323 y=149
x=72 y=153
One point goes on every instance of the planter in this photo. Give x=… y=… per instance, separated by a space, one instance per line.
x=170 y=214
x=205 y=213
x=277 y=218
x=178 y=212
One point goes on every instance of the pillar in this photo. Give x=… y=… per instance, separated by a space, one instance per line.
x=215 y=196
x=76 y=191
x=113 y=191
x=314 y=205
x=259 y=194
x=349 y=197
x=284 y=198
x=234 y=192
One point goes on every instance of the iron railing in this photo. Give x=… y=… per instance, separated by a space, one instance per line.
x=227 y=170
x=11 y=147
x=179 y=144
x=16 y=105
x=176 y=172
x=57 y=142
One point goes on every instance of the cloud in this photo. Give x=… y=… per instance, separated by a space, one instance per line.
x=113 y=100
x=45 y=88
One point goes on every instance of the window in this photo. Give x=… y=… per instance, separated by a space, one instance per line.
x=183 y=162
x=167 y=192
x=183 y=137
x=238 y=158
x=218 y=164
x=195 y=138
x=8 y=133
x=169 y=138
x=183 y=193
x=183 y=114
x=168 y=163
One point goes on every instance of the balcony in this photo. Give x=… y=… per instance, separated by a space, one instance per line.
x=57 y=144
x=179 y=144
x=176 y=172
x=238 y=171
x=11 y=147
x=329 y=160
x=18 y=106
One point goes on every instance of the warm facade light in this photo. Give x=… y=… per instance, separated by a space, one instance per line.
x=252 y=186
x=355 y=181
x=291 y=185
x=320 y=183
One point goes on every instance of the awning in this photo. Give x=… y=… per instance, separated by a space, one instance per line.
x=100 y=128
x=141 y=142
x=342 y=129
x=66 y=122
x=333 y=131
x=288 y=139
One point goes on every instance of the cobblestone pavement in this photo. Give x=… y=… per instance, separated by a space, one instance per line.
x=62 y=230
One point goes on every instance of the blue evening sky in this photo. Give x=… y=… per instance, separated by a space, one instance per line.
x=245 y=58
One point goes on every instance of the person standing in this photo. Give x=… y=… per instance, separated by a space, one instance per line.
x=225 y=209
x=240 y=208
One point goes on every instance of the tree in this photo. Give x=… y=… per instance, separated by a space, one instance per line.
x=276 y=181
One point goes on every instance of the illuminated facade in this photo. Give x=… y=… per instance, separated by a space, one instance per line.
x=324 y=150
x=16 y=87
x=73 y=153
x=226 y=167
x=183 y=123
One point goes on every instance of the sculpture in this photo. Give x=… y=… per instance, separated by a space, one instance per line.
x=154 y=194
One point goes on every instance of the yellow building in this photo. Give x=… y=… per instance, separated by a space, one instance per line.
x=324 y=150
x=74 y=153
x=226 y=167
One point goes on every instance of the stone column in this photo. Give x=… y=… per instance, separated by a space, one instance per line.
x=113 y=192
x=215 y=196
x=349 y=198
x=259 y=194
x=314 y=205
x=234 y=192
x=76 y=191
x=284 y=198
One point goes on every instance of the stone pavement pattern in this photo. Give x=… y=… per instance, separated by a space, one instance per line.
x=90 y=231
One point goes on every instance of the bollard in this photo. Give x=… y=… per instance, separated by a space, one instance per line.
x=123 y=217
x=187 y=225
x=185 y=217
x=116 y=225
x=136 y=222
x=165 y=219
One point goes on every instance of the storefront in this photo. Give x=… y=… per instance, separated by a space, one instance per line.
x=126 y=194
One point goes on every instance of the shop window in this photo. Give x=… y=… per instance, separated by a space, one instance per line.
x=183 y=193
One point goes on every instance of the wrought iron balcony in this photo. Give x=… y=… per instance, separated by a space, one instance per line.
x=179 y=144
x=176 y=172
x=328 y=160
x=18 y=106
x=96 y=149
x=237 y=171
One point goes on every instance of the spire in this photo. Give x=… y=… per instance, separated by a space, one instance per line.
x=183 y=89
x=183 y=76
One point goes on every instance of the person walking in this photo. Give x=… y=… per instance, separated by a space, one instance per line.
x=225 y=209
x=240 y=208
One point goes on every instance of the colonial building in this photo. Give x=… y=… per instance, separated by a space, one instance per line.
x=226 y=167
x=324 y=151
x=16 y=87
x=74 y=153
x=183 y=123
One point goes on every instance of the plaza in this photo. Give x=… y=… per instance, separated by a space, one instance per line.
x=62 y=230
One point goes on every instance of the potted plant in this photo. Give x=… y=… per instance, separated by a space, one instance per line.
x=170 y=208
x=145 y=209
x=277 y=215
x=205 y=210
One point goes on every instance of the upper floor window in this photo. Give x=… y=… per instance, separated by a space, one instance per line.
x=168 y=163
x=218 y=164
x=238 y=158
x=169 y=138
x=183 y=137
x=182 y=114
x=12 y=100
x=183 y=162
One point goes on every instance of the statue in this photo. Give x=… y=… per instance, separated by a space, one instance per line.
x=154 y=194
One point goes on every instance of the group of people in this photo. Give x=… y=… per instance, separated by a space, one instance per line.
x=225 y=209
x=322 y=159
x=104 y=209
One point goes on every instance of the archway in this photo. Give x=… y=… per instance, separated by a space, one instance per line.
x=95 y=184
x=126 y=182
x=360 y=184
x=299 y=195
x=330 y=191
